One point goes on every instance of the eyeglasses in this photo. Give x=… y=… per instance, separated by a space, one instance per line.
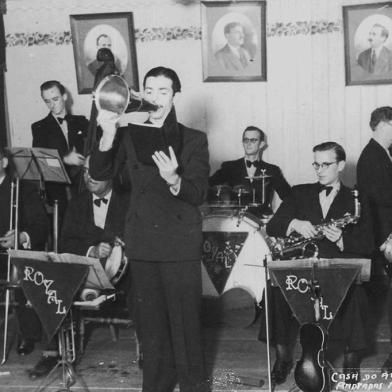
x=323 y=165
x=246 y=140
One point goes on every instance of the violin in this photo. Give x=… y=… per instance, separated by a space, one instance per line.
x=311 y=372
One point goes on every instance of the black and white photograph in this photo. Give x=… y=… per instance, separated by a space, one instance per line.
x=196 y=195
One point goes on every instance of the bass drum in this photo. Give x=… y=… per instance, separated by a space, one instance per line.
x=234 y=248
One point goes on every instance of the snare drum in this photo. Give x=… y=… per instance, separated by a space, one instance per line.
x=234 y=248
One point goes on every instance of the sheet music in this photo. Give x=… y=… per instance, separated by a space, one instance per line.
x=96 y=278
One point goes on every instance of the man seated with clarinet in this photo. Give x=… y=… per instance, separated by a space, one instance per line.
x=307 y=213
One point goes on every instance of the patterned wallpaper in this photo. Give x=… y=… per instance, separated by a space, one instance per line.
x=176 y=33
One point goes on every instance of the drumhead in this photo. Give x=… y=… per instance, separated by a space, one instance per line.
x=234 y=248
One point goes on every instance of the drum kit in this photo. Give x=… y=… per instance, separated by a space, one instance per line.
x=234 y=246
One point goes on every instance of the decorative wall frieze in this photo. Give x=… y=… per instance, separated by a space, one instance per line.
x=176 y=33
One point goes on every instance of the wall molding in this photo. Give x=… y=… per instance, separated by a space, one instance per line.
x=176 y=33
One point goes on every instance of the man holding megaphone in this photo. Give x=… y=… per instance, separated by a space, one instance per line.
x=168 y=167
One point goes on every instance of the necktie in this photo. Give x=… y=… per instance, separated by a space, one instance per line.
x=325 y=188
x=372 y=61
x=250 y=163
x=97 y=202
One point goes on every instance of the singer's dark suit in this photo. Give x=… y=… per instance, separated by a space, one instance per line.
x=234 y=173
x=163 y=236
x=33 y=221
x=303 y=204
x=47 y=133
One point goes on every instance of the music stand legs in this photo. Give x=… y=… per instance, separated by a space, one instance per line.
x=65 y=363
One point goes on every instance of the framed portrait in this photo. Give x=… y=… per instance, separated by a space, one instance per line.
x=368 y=43
x=92 y=32
x=234 y=41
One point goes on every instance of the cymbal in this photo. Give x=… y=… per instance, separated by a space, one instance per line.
x=220 y=188
x=260 y=177
x=241 y=188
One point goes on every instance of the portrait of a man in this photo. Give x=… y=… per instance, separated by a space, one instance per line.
x=368 y=43
x=377 y=59
x=233 y=56
x=234 y=40
x=103 y=44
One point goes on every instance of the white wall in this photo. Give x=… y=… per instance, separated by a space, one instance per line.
x=304 y=102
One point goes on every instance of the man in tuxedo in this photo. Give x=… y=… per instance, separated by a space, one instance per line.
x=233 y=56
x=374 y=176
x=241 y=172
x=65 y=133
x=163 y=234
x=377 y=60
x=93 y=221
x=33 y=232
x=309 y=205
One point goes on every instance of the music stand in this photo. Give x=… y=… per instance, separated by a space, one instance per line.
x=66 y=274
x=38 y=164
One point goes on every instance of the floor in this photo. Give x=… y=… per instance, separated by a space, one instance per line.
x=236 y=361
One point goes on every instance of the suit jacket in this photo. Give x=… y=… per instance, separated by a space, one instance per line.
x=159 y=225
x=229 y=61
x=374 y=177
x=383 y=63
x=47 y=133
x=32 y=214
x=304 y=204
x=79 y=231
x=234 y=172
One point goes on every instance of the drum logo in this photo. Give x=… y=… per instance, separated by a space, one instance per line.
x=220 y=252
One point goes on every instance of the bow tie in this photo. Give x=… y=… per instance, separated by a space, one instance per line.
x=97 y=202
x=256 y=164
x=61 y=119
x=325 y=188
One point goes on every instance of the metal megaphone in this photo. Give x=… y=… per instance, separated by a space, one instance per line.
x=113 y=94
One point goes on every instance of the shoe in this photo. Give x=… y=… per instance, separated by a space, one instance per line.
x=43 y=367
x=25 y=347
x=351 y=367
x=387 y=366
x=280 y=371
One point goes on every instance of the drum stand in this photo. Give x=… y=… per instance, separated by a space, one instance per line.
x=66 y=344
x=265 y=262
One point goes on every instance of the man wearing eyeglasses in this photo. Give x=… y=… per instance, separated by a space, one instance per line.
x=374 y=176
x=245 y=171
x=310 y=205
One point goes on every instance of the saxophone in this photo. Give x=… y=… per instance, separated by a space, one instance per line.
x=290 y=246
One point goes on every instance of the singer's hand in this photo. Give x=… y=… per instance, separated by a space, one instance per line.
x=108 y=122
x=73 y=158
x=167 y=166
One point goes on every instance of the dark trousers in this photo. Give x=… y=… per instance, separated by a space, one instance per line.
x=349 y=326
x=168 y=296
